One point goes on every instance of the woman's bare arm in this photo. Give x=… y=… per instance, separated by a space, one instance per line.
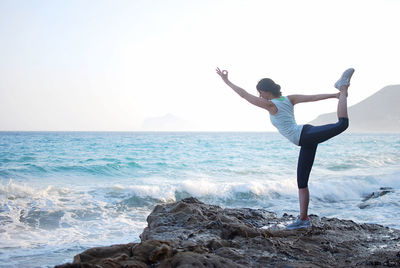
x=295 y=99
x=257 y=101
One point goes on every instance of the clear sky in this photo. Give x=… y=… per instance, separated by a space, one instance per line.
x=113 y=65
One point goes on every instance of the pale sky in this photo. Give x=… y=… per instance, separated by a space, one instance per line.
x=111 y=65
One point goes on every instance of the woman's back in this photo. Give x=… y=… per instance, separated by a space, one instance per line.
x=284 y=120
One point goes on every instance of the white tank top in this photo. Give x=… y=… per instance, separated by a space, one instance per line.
x=284 y=120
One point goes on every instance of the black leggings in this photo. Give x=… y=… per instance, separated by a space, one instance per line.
x=310 y=137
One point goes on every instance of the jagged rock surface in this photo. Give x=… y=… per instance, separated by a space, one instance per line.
x=190 y=233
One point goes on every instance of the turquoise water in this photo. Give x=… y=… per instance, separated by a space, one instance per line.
x=63 y=192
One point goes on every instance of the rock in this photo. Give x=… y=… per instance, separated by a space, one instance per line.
x=366 y=202
x=381 y=192
x=152 y=251
x=190 y=233
x=107 y=257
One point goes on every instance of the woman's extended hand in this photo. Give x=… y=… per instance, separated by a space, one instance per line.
x=223 y=74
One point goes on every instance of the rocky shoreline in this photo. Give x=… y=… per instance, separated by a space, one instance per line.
x=190 y=233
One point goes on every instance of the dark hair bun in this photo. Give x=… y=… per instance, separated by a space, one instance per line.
x=268 y=85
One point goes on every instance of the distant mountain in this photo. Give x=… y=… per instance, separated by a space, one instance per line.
x=168 y=122
x=377 y=113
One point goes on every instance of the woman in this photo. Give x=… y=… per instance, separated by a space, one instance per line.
x=307 y=136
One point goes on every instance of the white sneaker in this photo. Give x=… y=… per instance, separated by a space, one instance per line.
x=345 y=78
x=299 y=224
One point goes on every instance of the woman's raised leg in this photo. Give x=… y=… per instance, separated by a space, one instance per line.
x=342 y=105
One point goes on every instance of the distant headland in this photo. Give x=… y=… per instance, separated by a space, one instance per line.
x=377 y=113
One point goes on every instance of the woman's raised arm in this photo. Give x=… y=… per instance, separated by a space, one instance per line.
x=257 y=101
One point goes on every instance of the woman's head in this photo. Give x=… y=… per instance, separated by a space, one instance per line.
x=268 y=85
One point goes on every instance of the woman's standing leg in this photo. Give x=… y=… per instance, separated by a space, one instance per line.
x=304 y=200
x=304 y=165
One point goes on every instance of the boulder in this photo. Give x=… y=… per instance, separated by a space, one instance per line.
x=190 y=233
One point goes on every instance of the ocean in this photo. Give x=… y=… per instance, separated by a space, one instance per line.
x=64 y=192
